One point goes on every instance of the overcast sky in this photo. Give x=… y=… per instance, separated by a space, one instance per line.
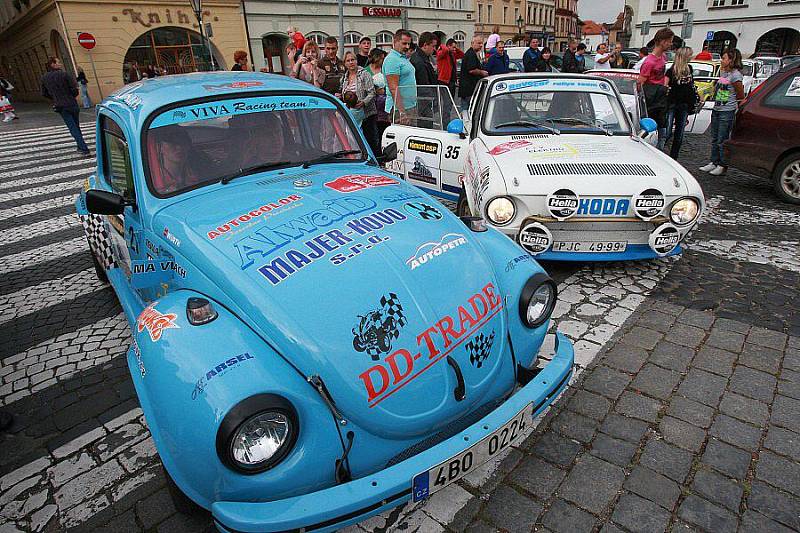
x=605 y=11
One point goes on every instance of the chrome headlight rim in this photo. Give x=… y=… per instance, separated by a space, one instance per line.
x=248 y=410
x=513 y=210
x=536 y=282
x=678 y=201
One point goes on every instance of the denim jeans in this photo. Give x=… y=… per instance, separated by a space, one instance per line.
x=71 y=116
x=721 y=126
x=676 y=124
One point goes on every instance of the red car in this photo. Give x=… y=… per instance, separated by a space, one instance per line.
x=766 y=137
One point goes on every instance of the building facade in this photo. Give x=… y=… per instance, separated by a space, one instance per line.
x=515 y=19
x=163 y=33
x=566 y=26
x=755 y=27
x=268 y=20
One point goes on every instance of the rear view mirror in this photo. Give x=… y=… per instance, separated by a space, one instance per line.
x=389 y=153
x=104 y=203
x=648 y=125
x=456 y=126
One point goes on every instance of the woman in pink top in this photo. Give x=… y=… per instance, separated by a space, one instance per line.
x=653 y=81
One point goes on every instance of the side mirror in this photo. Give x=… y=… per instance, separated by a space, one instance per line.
x=456 y=126
x=389 y=153
x=104 y=203
x=648 y=125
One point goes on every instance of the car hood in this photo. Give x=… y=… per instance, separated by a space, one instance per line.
x=589 y=165
x=348 y=279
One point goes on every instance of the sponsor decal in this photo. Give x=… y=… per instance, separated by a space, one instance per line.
x=426 y=252
x=423 y=211
x=527 y=84
x=604 y=206
x=511 y=265
x=238 y=106
x=433 y=344
x=604 y=86
x=293 y=260
x=217 y=371
x=138 y=354
x=479 y=348
x=535 y=238
x=254 y=215
x=156 y=266
x=233 y=85
x=648 y=204
x=376 y=330
x=400 y=197
x=357 y=182
x=423 y=146
x=421 y=172
x=500 y=86
x=266 y=240
x=562 y=204
x=664 y=239
x=152 y=248
x=171 y=238
x=509 y=146
x=155 y=322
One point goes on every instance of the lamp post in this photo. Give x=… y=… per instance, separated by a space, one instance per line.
x=197 y=7
x=520 y=23
x=544 y=36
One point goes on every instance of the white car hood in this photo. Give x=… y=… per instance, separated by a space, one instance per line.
x=589 y=165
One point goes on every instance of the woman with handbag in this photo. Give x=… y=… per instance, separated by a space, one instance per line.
x=357 y=90
x=682 y=98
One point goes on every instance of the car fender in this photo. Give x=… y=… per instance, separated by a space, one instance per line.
x=189 y=377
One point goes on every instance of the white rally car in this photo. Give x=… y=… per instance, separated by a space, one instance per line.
x=556 y=163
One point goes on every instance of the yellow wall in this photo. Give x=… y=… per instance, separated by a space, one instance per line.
x=115 y=25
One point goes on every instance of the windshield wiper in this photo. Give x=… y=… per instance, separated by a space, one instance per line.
x=250 y=170
x=330 y=157
x=528 y=124
x=574 y=120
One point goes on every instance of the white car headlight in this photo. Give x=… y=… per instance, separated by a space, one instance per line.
x=684 y=211
x=500 y=210
x=259 y=438
x=537 y=301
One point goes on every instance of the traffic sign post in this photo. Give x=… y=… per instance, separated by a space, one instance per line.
x=88 y=42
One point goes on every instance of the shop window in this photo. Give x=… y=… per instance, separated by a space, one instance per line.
x=173 y=50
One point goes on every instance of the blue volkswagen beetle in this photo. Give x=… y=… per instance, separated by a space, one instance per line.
x=314 y=341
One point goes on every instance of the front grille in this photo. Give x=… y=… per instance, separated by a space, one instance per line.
x=448 y=431
x=590 y=169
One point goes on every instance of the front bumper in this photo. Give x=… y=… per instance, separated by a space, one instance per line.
x=348 y=503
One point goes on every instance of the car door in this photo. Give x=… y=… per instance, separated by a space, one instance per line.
x=127 y=241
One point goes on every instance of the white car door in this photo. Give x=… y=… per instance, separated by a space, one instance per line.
x=429 y=156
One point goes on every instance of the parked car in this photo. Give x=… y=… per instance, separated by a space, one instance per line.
x=766 y=136
x=299 y=360
x=555 y=162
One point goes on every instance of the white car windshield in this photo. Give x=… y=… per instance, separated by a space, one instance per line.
x=626 y=84
x=195 y=145
x=566 y=111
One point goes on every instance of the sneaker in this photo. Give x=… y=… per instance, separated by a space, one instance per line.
x=719 y=171
x=708 y=168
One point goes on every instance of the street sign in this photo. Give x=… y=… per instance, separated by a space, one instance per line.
x=86 y=40
x=710 y=36
x=686 y=28
x=645 y=27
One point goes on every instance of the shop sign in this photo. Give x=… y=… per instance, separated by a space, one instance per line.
x=147 y=19
x=381 y=11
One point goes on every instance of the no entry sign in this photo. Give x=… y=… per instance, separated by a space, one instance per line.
x=86 y=40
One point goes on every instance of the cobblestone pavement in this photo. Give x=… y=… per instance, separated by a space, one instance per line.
x=684 y=412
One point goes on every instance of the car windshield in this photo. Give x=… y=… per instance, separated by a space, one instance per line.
x=702 y=69
x=626 y=83
x=513 y=111
x=216 y=141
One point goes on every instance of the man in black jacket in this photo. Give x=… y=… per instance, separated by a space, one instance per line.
x=472 y=70
x=426 y=77
x=62 y=88
x=569 y=63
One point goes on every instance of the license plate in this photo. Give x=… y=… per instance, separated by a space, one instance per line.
x=587 y=247
x=512 y=432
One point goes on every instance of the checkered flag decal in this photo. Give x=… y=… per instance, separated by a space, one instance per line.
x=479 y=349
x=99 y=240
x=393 y=308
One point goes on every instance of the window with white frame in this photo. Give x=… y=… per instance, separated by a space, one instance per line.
x=678 y=4
x=480 y=12
x=488 y=12
x=505 y=15
x=318 y=37
x=460 y=38
x=351 y=39
x=383 y=40
x=663 y=5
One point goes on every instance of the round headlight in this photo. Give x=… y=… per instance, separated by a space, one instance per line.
x=257 y=433
x=684 y=211
x=538 y=300
x=259 y=438
x=500 y=210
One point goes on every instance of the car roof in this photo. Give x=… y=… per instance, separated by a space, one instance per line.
x=137 y=101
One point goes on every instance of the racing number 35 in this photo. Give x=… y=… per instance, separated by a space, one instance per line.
x=460 y=466
x=451 y=152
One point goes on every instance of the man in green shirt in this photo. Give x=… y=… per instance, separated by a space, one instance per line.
x=400 y=80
